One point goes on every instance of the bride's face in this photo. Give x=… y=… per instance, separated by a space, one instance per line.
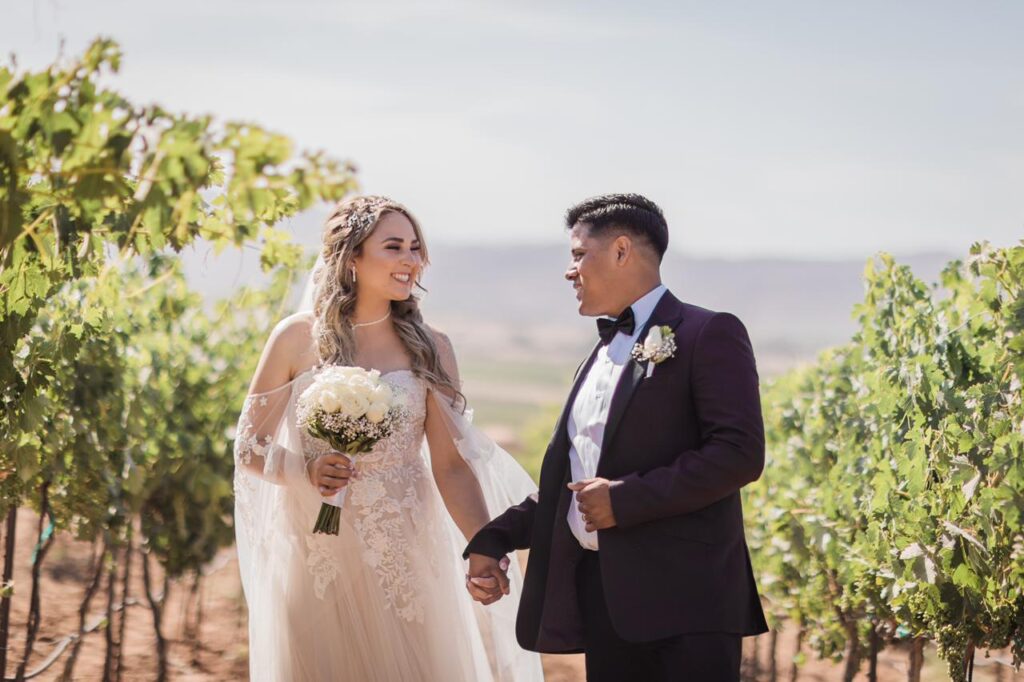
x=390 y=260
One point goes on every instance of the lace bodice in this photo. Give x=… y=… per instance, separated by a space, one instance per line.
x=385 y=503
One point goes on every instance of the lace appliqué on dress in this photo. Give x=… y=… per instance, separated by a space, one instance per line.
x=321 y=566
x=386 y=499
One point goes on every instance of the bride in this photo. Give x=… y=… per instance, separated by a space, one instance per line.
x=384 y=599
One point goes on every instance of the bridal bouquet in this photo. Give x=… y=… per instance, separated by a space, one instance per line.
x=351 y=409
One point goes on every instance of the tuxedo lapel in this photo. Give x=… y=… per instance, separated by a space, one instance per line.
x=668 y=313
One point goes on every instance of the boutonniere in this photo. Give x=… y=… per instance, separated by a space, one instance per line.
x=659 y=346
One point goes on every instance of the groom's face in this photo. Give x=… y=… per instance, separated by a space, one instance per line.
x=592 y=271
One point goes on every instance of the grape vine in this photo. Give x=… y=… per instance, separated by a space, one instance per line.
x=893 y=499
x=120 y=389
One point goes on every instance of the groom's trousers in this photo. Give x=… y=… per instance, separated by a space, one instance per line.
x=706 y=657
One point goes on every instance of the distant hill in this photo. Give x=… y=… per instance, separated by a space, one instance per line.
x=512 y=302
x=792 y=308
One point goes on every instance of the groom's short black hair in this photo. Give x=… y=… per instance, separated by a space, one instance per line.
x=634 y=214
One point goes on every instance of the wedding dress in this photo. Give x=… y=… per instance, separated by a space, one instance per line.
x=385 y=599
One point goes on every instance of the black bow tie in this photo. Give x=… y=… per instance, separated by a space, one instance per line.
x=623 y=324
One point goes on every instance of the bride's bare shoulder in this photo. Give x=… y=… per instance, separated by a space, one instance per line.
x=441 y=340
x=291 y=344
x=445 y=350
x=296 y=327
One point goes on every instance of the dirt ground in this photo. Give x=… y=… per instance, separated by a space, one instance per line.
x=218 y=651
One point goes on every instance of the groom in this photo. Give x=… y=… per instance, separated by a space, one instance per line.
x=637 y=552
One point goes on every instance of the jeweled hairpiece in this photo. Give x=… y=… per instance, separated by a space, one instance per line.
x=365 y=216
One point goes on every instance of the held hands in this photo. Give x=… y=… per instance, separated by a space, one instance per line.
x=487 y=580
x=595 y=502
x=330 y=473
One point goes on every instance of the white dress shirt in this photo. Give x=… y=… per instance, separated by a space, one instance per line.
x=589 y=413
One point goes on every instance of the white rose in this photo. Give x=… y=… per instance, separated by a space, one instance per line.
x=329 y=375
x=382 y=394
x=653 y=341
x=363 y=390
x=362 y=405
x=344 y=398
x=355 y=405
x=340 y=375
x=329 y=401
x=375 y=415
x=311 y=395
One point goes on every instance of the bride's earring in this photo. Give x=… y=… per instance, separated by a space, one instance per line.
x=354 y=278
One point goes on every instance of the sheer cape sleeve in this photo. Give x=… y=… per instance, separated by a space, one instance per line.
x=504 y=483
x=258 y=450
x=270 y=471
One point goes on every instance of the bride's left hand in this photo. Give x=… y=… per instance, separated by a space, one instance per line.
x=487 y=579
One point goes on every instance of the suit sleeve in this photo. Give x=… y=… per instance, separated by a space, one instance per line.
x=512 y=530
x=728 y=404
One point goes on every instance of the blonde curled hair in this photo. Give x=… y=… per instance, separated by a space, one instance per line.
x=336 y=289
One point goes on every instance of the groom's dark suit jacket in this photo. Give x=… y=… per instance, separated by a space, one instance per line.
x=683 y=442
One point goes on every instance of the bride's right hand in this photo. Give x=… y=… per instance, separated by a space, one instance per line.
x=330 y=473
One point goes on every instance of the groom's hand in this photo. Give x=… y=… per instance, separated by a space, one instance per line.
x=486 y=580
x=595 y=502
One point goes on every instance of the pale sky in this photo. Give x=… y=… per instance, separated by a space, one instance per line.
x=797 y=129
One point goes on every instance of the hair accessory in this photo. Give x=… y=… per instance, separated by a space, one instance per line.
x=363 y=217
